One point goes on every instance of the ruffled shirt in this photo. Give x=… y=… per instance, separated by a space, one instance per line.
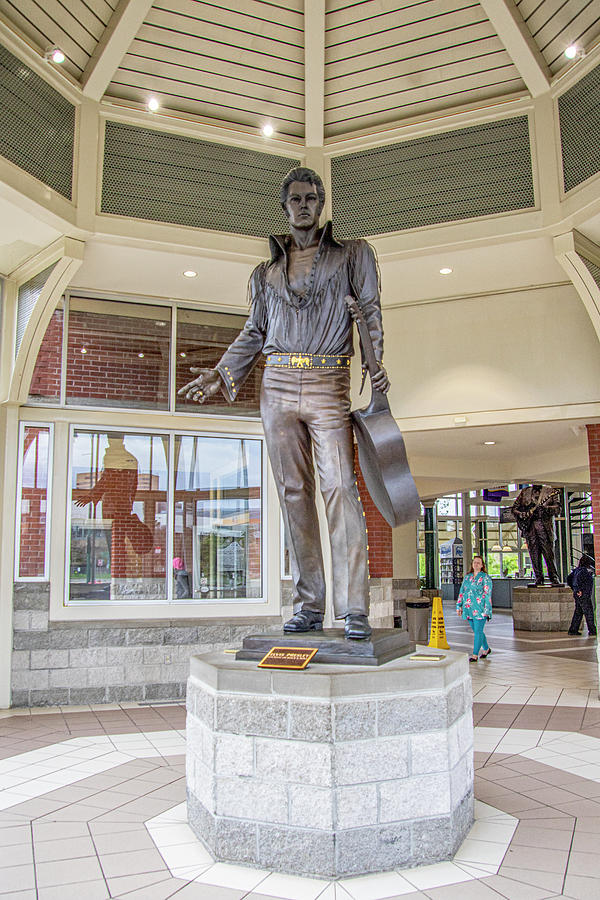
x=475 y=597
x=316 y=322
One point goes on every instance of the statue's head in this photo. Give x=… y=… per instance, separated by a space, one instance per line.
x=302 y=175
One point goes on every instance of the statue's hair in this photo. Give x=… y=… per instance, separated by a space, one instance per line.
x=301 y=173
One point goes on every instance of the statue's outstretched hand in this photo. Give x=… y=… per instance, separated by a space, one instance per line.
x=205 y=386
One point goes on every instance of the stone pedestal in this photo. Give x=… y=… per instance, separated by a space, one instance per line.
x=542 y=608
x=333 y=771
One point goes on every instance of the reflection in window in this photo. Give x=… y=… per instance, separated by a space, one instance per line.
x=217 y=541
x=202 y=338
x=118 y=517
x=118 y=355
x=33 y=502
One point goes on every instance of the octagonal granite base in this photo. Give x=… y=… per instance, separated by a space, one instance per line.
x=332 y=771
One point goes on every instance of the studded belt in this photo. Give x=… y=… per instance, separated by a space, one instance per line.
x=307 y=361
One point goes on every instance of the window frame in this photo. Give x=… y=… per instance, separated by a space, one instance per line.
x=23 y=424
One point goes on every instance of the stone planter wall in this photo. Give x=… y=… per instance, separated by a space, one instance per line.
x=542 y=609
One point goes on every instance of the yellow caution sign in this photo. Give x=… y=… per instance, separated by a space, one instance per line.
x=437 y=635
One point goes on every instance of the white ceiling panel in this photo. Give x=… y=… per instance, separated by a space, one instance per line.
x=556 y=24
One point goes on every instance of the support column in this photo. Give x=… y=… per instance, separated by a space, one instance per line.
x=482 y=541
x=9 y=430
x=430 y=544
x=466 y=528
x=593 y=435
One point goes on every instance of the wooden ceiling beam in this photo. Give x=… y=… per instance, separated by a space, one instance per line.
x=122 y=28
x=314 y=72
x=519 y=43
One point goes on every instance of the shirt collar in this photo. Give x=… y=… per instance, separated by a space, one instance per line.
x=278 y=242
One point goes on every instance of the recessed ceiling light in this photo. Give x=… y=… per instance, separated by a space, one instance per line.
x=153 y=104
x=141 y=355
x=161 y=324
x=55 y=55
x=83 y=350
x=268 y=129
x=489 y=443
x=183 y=355
x=189 y=273
x=571 y=51
x=446 y=270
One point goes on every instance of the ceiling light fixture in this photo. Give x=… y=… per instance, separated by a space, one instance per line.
x=183 y=355
x=161 y=324
x=83 y=350
x=445 y=270
x=141 y=355
x=489 y=443
x=55 y=55
x=189 y=273
x=153 y=104
x=268 y=130
x=571 y=51
x=496 y=548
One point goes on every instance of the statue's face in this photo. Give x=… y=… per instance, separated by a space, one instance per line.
x=302 y=205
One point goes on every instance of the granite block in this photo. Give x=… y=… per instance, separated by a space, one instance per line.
x=31 y=640
x=373 y=849
x=125 y=693
x=201 y=782
x=456 y=702
x=200 y=703
x=293 y=761
x=124 y=656
x=67 y=678
x=38 y=620
x=310 y=807
x=309 y=721
x=354 y=720
x=86 y=657
x=409 y=714
x=164 y=690
x=202 y=740
x=19 y=698
x=50 y=697
x=429 y=752
x=259 y=716
x=236 y=841
x=201 y=820
x=144 y=636
x=258 y=801
x=24 y=679
x=21 y=659
x=105 y=675
x=181 y=636
x=234 y=753
x=356 y=804
x=26 y=597
x=432 y=840
x=107 y=637
x=357 y=762
x=296 y=850
x=82 y=696
x=406 y=799
x=68 y=638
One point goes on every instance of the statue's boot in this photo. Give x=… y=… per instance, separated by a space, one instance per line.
x=304 y=620
x=357 y=627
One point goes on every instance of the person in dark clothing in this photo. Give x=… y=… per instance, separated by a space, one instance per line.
x=581 y=580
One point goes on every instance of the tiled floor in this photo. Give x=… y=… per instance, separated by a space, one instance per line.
x=92 y=800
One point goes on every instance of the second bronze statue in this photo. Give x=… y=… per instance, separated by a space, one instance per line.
x=298 y=319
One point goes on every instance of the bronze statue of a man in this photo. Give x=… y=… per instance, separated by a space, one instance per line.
x=534 y=510
x=299 y=321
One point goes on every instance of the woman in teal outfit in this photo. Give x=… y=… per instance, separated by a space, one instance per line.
x=475 y=605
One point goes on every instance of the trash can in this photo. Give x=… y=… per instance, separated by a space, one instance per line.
x=417 y=620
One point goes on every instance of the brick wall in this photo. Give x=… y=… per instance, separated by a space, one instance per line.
x=381 y=563
x=593 y=435
x=45 y=383
x=111 y=371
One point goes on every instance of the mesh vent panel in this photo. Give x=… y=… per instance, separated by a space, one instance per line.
x=475 y=171
x=26 y=300
x=594 y=269
x=579 y=114
x=169 y=178
x=37 y=125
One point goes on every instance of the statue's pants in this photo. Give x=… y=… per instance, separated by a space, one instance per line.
x=306 y=412
x=540 y=544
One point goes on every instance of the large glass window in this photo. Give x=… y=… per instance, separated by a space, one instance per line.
x=118 y=522
x=202 y=338
x=118 y=355
x=33 y=503
x=218 y=518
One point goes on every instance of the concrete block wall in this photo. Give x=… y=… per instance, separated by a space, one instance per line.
x=59 y=663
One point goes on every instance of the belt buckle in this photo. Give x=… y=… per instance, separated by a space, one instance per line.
x=300 y=362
